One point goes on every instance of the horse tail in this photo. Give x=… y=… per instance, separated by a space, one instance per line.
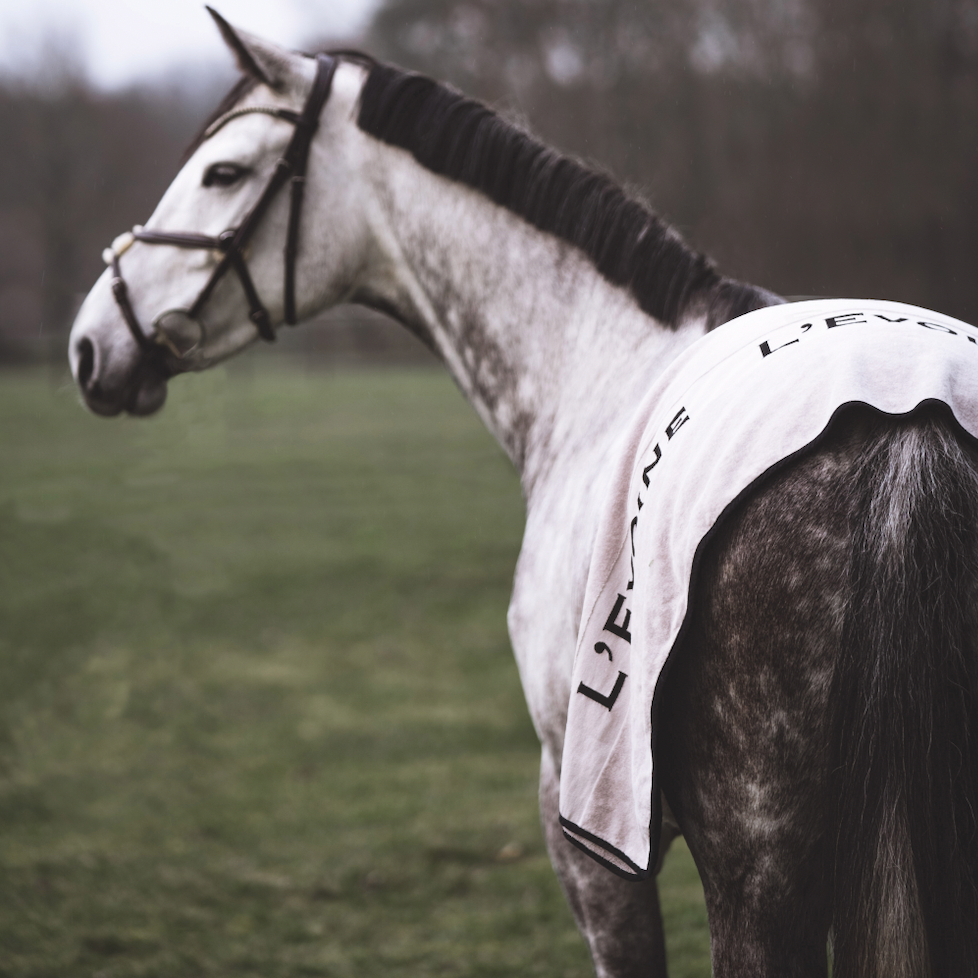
x=905 y=688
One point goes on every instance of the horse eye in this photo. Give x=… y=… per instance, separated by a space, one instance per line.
x=223 y=174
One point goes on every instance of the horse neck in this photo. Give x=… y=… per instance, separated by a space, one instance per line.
x=548 y=352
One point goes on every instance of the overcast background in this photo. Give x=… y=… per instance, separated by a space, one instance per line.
x=816 y=147
x=124 y=41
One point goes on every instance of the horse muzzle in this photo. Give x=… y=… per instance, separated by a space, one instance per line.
x=114 y=379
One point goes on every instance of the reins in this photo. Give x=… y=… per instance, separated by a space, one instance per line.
x=181 y=331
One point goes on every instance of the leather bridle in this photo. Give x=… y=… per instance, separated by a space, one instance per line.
x=231 y=243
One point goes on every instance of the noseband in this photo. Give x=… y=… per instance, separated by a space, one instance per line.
x=231 y=243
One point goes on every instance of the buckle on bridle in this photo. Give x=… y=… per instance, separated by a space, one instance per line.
x=179 y=332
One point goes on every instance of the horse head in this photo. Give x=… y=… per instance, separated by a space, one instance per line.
x=238 y=244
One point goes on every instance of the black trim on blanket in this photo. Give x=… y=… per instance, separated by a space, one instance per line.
x=567 y=826
x=655 y=820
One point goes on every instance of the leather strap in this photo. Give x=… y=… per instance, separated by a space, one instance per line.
x=121 y=293
x=301 y=143
x=258 y=314
x=179 y=239
x=294 y=164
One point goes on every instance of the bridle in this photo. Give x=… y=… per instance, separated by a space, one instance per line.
x=182 y=331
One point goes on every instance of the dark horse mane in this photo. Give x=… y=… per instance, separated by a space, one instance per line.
x=629 y=244
x=464 y=140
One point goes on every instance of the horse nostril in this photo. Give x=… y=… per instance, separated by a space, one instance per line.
x=86 y=362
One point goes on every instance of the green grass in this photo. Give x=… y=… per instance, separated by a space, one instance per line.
x=258 y=711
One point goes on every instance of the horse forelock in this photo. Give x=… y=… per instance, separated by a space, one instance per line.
x=628 y=243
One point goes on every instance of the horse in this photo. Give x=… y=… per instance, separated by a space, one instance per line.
x=816 y=733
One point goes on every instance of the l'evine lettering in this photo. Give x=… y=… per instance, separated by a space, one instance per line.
x=854 y=318
x=619 y=617
x=679 y=419
x=616 y=624
x=612 y=625
x=606 y=701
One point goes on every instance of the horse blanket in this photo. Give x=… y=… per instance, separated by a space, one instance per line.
x=739 y=402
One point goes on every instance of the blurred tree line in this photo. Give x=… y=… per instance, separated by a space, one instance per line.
x=77 y=167
x=817 y=147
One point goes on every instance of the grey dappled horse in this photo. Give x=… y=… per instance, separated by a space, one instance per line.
x=817 y=725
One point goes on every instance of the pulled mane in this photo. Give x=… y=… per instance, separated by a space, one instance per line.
x=628 y=243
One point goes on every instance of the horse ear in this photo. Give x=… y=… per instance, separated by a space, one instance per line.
x=264 y=61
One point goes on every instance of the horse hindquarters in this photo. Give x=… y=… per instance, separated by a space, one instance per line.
x=743 y=730
x=815 y=730
x=905 y=694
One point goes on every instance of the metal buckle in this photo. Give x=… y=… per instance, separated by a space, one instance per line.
x=178 y=331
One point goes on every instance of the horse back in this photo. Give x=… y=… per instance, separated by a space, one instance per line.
x=817 y=723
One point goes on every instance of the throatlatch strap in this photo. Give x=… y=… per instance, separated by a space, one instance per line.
x=292 y=247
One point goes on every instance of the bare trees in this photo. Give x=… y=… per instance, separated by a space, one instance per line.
x=815 y=146
x=76 y=168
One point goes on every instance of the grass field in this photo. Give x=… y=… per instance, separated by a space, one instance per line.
x=258 y=711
